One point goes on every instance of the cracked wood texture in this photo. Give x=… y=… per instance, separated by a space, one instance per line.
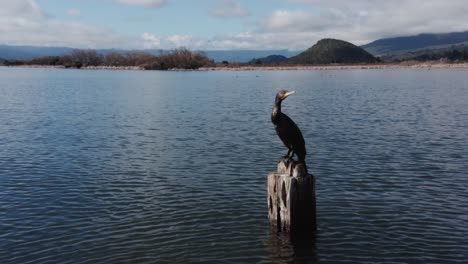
x=291 y=198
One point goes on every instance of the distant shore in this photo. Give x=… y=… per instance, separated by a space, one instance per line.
x=402 y=65
x=82 y=68
x=422 y=65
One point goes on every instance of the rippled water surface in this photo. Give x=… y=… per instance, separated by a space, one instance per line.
x=170 y=167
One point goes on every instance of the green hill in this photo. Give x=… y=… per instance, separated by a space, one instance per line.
x=328 y=51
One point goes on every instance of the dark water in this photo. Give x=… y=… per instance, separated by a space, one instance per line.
x=170 y=167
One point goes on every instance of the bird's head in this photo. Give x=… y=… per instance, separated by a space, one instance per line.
x=283 y=94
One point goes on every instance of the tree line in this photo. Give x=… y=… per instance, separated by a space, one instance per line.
x=449 y=55
x=180 y=58
x=452 y=55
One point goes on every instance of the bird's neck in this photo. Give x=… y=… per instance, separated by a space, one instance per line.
x=276 y=111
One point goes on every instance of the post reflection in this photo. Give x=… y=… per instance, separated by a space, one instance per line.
x=287 y=248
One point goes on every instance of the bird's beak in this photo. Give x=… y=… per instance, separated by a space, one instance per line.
x=288 y=94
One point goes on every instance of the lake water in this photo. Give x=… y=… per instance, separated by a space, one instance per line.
x=170 y=167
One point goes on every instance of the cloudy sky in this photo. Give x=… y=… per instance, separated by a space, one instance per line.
x=220 y=24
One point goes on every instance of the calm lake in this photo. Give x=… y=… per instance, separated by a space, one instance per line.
x=170 y=167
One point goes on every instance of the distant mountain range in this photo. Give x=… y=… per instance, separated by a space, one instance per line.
x=245 y=55
x=272 y=59
x=399 y=45
x=29 y=52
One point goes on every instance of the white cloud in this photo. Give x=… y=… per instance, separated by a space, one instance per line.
x=261 y=41
x=73 y=12
x=359 y=21
x=149 y=3
x=19 y=8
x=151 y=41
x=362 y=21
x=22 y=22
x=229 y=9
x=181 y=40
x=244 y=40
x=294 y=21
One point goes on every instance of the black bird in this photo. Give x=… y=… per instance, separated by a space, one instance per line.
x=287 y=130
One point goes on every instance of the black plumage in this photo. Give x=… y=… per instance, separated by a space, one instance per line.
x=287 y=130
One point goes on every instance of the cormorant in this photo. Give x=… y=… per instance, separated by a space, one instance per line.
x=287 y=130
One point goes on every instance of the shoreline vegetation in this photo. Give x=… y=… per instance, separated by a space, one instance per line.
x=181 y=58
x=327 y=54
x=240 y=67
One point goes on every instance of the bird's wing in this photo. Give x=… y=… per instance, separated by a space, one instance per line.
x=289 y=133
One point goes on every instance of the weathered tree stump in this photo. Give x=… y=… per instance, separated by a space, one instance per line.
x=291 y=198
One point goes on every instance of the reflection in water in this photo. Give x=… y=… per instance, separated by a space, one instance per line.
x=284 y=248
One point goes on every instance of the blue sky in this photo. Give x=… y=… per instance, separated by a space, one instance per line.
x=220 y=24
x=175 y=17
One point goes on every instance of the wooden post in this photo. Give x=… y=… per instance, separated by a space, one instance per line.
x=291 y=198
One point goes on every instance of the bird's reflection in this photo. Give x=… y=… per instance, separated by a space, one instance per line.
x=285 y=248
